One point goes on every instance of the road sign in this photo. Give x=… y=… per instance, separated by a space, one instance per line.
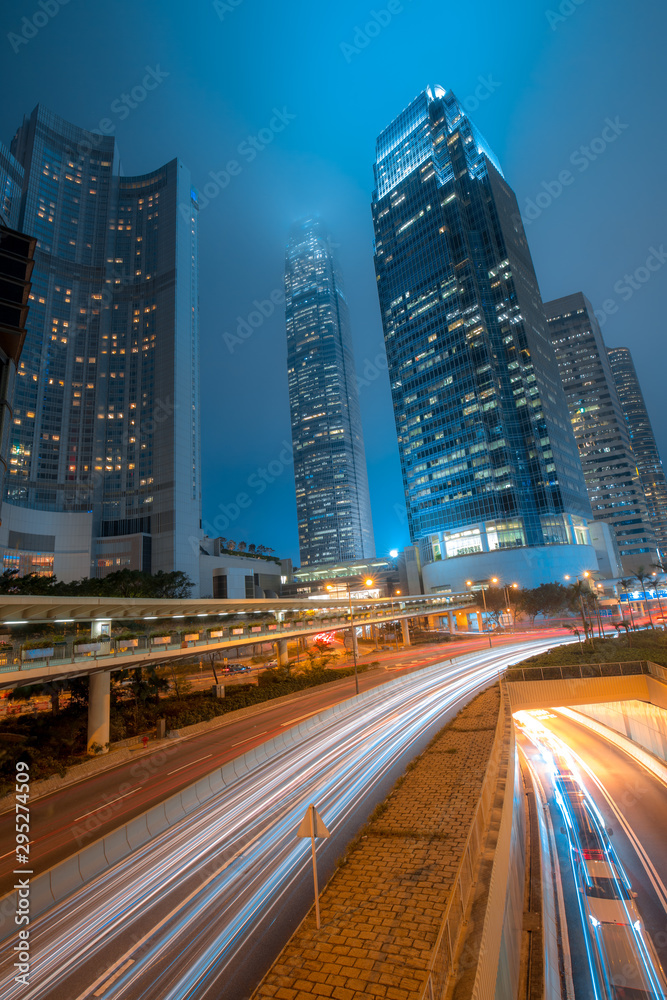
x=312 y=825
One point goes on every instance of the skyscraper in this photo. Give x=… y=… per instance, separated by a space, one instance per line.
x=492 y=479
x=332 y=499
x=104 y=469
x=644 y=447
x=602 y=435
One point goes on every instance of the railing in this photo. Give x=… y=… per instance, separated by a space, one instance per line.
x=443 y=956
x=576 y=671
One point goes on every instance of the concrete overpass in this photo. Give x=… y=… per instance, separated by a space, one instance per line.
x=308 y=617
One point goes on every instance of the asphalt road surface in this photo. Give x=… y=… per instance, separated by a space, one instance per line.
x=634 y=805
x=63 y=822
x=202 y=910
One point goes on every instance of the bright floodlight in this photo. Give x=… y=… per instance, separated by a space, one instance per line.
x=393 y=553
x=369 y=582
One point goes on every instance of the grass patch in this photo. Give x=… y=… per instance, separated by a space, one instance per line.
x=646 y=645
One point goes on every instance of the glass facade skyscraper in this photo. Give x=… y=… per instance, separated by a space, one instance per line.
x=332 y=498
x=105 y=436
x=603 y=438
x=488 y=458
x=644 y=447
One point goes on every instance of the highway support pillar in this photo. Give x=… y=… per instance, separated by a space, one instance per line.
x=480 y=620
x=450 y=619
x=281 y=652
x=406 y=631
x=99 y=703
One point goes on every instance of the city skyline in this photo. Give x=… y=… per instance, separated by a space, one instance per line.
x=295 y=163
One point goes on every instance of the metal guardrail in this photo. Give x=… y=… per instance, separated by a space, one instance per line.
x=579 y=671
x=443 y=956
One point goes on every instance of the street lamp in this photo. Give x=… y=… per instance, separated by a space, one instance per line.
x=368 y=583
x=396 y=593
x=506 y=589
x=469 y=583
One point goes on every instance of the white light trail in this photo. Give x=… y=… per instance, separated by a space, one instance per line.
x=192 y=895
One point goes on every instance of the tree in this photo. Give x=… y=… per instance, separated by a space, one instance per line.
x=547 y=599
x=641 y=574
x=495 y=604
x=231 y=545
x=252 y=547
x=242 y=546
x=582 y=599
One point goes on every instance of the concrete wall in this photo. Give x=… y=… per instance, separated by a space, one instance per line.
x=642 y=723
x=236 y=568
x=71 y=535
x=529 y=567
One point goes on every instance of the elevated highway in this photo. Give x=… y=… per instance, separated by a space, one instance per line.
x=100 y=659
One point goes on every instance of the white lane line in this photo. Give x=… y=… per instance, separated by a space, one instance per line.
x=103 y=989
x=105 y=804
x=249 y=738
x=14 y=849
x=189 y=764
x=301 y=717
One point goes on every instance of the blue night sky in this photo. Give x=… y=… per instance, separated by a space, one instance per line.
x=549 y=82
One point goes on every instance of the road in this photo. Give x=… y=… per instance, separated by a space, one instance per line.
x=633 y=804
x=202 y=910
x=65 y=821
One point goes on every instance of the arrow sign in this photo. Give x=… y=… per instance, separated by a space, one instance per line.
x=312 y=825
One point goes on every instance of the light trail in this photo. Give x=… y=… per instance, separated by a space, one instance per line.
x=614 y=926
x=190 y=897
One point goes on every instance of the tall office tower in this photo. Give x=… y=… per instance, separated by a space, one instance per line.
x=332 y=499
x=644 y=447
x=609 y=465
x=16 y=264
x=104 y=470
x=492 y=479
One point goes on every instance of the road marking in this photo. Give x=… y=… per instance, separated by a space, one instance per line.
x=249 y=738
x=183 y=766
x=119 y=972
x=301 y=717
x=105 y=804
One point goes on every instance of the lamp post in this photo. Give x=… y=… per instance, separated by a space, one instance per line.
x=506 y=589
x=330 y=586
x=469 y=583
x=395 y=593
